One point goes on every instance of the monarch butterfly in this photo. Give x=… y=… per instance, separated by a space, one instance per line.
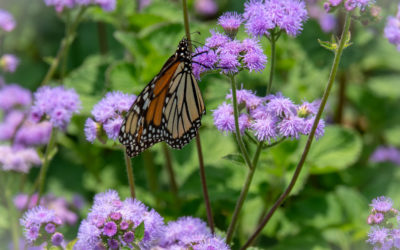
x=168 y=109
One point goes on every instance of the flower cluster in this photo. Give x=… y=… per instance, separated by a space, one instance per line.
x=229 y=55
x=349 y=5
x=60 y=5
x=113 y=223
x=9 y=62
x=383 y=234
x=190 y=233
x=108 y=115
x=264 y=16
x=392 y=29
x=14 y=96
x=20 y=160
x=40 y=225
x=7 y=22
x=386 y=154
x=61 y=207
x=206 y=7
x=56 y=104
x=270 y=118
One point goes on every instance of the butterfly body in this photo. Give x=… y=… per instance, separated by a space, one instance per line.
x=168 y=109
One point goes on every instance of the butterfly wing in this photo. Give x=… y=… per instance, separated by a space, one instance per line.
x=168 y=109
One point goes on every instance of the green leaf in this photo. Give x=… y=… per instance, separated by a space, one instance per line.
x=392 y=136
x=235 y=158
x=336 y=150
x=71 y=244
x=385 y=86
x=139 y=232
x=123 y=76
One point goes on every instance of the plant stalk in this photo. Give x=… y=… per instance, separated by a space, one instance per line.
x=338 y=54
x=198 y=144
x=46 y=161
x=129 y=171
x=273 y=57
x=170 y=170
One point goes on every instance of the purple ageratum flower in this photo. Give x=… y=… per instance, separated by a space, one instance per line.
x=216 y=40
x=34 y=218
x=7 y=21
x=106 y=5
x=247 y=97
x=386 y=154
x=129 y=237
x=99 y=226
x=362 y=4
x=9 y=62
x=281 y=106
x=291 y=127
x=378 y=235
x=203 y=59
x=91 y=129
x=307 y=126
x=206 y=7
x=8 y=128
x=254 y=59
x=13 y=95
x=50 y=228
x=263 y=16
x=21 y=200
x=224 y=119
x=382 y=204
x=378 y=218
x=230 y=22
x=19 y=160
x=57 y=103
x=60 y=5
x=212 y=243
x=265 y=129
x=113 y=244
x=392 y=30
x=57 y=239
x=112 y=127
x=33 y=134
x=182 y=231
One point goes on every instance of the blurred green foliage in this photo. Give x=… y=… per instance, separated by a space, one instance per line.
x=123 y=50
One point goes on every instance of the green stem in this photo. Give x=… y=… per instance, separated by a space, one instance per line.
x=171 y=174
x=151 y=174
x=338 y=54
x=65 y=43
x=198 y=144
x=46 y=161
x=243 y=195
x=238 y=134
x=273 y=56
x=13 y=217
x=129 y=171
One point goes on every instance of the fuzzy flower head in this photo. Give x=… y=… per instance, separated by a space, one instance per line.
x=60 y=5
x=19 y=160
x=264 y=16
x=206 y=7
x=392 y=29
x=33 y=134
x=190 y=233
x=382 y=204
x=229 y=55
x=386 y=154
x=119 y=223
x=9 y=62
x=7 y=21
x=108 y=115
x=270 y=118
x=14 y=96
x=39 y=225
x=230 y=22
x=55 y=104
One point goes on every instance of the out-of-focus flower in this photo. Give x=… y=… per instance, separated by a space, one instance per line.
x=386 y=154
x=270 y=118
x=60 y=5
x=108 y=115
x=392 y=29
x=263 y=16
x=206 y=7
x=7 y=21
x=190 y=233
x=33 y=134
x=382 y=204
x=9 y=62
x=106 y=5
x=327 y=21
x=20 y=160
x=56 y=104
x=36 y=219
x=349 y=5
x=14 y=96
x=11 y=121
x=60 y=206
x=114 y=221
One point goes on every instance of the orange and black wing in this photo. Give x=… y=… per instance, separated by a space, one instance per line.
x=168 y=109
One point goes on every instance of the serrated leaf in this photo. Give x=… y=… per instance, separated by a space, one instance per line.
x=335 y=151
x=139 y=232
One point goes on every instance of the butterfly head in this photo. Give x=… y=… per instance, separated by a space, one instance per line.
x=183 y=52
